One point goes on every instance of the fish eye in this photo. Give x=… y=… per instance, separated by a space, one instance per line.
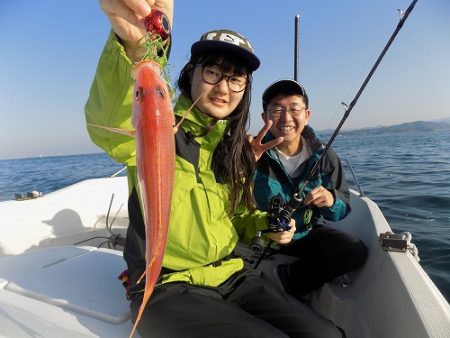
x=160 y=91
x=139 y=94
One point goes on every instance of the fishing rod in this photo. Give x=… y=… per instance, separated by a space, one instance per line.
x=297 y=199
x=279 y=220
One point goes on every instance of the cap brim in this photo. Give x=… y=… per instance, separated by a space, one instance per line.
x=282 y=86
x=249 y=58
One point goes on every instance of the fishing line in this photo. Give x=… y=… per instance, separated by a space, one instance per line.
x=359 y=76
x=297 y=197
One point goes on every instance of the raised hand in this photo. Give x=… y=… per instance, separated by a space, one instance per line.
x=259 y=148
x=127 y=18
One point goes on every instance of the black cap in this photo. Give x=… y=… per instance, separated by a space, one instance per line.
x=230 y=41
x=284 y=86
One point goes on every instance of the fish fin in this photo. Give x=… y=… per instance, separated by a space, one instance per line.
x=177 y=126
x=145 y=298
x=141 y=308
x=114 y=130
x=140 y=278
x=133 y=330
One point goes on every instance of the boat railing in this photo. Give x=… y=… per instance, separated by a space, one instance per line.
x=355 y=179
x=346 y=163
x=118 y=172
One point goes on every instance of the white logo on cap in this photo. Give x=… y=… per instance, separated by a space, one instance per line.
x=227 y=37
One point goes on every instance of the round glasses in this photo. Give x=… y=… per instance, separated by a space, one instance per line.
x=213 y=75
x=294 y=111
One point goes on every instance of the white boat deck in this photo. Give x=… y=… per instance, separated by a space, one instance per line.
x=75 y=289
x=51 y=288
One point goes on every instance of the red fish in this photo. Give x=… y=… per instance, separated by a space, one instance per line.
x=153 y=121
x=153 y=129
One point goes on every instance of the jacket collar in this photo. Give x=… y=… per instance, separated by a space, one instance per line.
x=197 y=122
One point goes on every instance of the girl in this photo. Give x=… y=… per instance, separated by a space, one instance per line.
x=205 y=288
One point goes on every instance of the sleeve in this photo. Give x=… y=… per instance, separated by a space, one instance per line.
x=337 y=185
x=110 y=103
x=247 y=224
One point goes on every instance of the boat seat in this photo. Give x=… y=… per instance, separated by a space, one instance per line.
x=77 y=279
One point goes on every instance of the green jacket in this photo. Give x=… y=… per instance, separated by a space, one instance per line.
x=200 y=231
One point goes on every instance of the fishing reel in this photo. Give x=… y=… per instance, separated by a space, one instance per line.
x=279 y=217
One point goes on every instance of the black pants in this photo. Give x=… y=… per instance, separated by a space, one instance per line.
x=246 y=306
x=325 y=253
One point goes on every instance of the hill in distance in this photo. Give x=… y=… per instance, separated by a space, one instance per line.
x=407 y=127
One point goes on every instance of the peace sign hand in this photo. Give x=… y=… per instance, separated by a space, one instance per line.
x=259 y=148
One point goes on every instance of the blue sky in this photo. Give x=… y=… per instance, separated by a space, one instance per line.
x=50 y=50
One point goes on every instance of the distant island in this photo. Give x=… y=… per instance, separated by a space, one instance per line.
x=408 y=127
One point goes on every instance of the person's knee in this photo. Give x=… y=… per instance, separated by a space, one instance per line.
x=351 y=256
x=360 y=254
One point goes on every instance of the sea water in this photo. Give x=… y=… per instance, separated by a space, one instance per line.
x=407 y=175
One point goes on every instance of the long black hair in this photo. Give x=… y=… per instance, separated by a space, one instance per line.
x=233 y=159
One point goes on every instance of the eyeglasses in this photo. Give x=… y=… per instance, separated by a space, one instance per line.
x=213 y=75
x=294 y=111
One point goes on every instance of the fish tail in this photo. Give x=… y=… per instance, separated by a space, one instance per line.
x=145 y=298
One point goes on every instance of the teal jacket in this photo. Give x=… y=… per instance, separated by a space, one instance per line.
x=271 y=179
x=200 y=232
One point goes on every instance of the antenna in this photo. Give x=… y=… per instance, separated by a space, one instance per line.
x=296 y=54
